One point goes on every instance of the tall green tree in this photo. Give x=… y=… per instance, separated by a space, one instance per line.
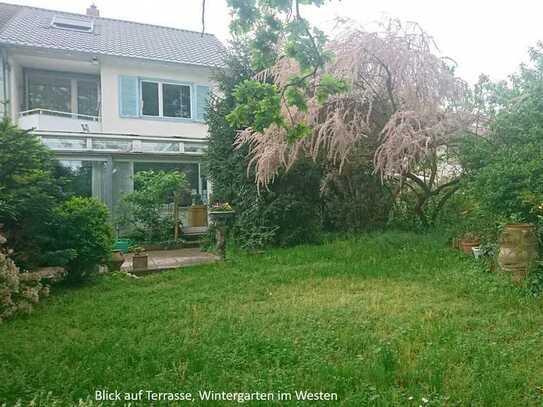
x=276 y=30
x=288 y=211
x=506 y=164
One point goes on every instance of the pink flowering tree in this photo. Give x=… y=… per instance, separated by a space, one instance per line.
x=394 y=93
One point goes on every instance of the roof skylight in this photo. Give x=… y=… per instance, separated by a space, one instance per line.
x=72 y=23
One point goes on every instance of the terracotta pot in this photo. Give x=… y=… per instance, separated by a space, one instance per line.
x=466 y=245
x=117 y=260
x=518 y=250
x=139 y=262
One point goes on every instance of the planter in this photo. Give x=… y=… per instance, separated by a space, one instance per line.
x=117 y=260
x=477 y=252
x=467 y=245
x=518 y=250
x=140 y=262
x=220 y=217
x=197 y=215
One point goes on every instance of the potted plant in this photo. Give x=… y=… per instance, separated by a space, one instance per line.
x=117 y=260
x=221 y=212
x=140 y=259
x=468 y=241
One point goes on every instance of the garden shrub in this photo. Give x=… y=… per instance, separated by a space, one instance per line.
x=289 y=213
x=80 y=230
x=18 y=291
x=30 y=187
x=356 y=199
x=505 y=166
x=511 y=185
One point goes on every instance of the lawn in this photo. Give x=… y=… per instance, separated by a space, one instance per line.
x=383 y=319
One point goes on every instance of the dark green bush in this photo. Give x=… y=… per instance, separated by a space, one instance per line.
x=29 y=190
x=79 y=228
x=287 y=214
x=355 y=199
x=42 y=226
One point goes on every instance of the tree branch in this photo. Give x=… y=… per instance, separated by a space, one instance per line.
x=442 y=202
x=419 y=182
x=446 y=185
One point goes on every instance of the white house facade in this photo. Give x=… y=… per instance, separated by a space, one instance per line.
x=109 y=97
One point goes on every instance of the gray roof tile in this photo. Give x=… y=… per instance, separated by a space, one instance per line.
x=30 y=26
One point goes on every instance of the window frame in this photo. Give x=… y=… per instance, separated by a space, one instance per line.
x=159 y=98
x=71 y=23
x=73 y=78
x=199 y=186
x=80 y=80
x=160 y=84
x=190 y=100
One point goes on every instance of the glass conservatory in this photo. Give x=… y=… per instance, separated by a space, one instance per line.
x=104 y=165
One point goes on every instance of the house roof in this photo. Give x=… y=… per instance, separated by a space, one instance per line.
x=31 y=27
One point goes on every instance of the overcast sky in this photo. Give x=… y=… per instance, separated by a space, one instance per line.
x=483 y=36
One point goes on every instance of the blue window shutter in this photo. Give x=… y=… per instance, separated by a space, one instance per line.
x=202 y=99
x=129 y=96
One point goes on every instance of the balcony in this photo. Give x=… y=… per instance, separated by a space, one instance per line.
x=52 y=120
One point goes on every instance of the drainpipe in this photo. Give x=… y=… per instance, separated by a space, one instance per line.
x=6 y=94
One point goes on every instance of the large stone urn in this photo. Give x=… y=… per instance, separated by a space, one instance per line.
x=117 y=260
x=220 y=219
x=518 y=250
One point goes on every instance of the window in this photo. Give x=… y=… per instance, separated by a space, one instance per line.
x=190 y=170
x=159 y=147
x=165 y=100
x=46 y=92
x=87 y=98
x=62 y=92
x=114 y=145
x=79 y=175
x=72 y=23
x=195 y=148
x=176 y=100
x=63 y=143
x=150 y=99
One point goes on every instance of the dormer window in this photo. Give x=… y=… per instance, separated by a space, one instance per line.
x=72 y=23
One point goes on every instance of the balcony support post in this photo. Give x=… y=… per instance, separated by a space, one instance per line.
x=108 y=184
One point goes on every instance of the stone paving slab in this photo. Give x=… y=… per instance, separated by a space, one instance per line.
x=159 y=260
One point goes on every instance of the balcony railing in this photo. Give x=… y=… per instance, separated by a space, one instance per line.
x=53 y=120
x=59 y=113
x=110 y=143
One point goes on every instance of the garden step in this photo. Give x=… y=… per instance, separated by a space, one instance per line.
x=194 y=243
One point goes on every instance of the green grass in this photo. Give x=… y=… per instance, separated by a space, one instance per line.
x=385 y=319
